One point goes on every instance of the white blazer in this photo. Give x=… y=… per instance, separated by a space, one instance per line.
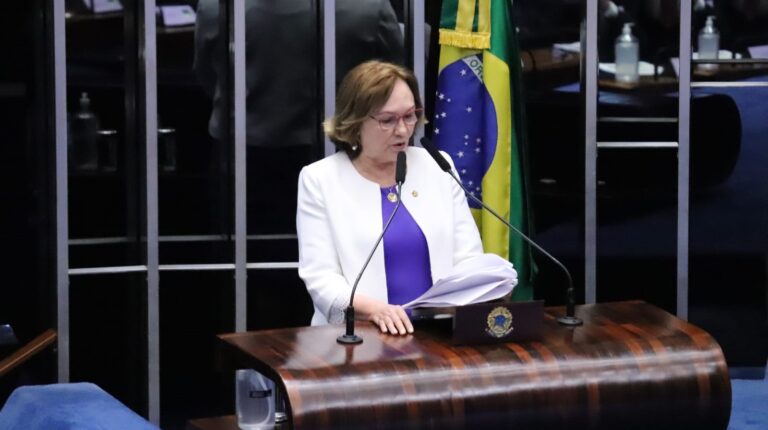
x=339 y=219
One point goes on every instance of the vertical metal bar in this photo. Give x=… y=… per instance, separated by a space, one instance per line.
x=407 y=30
x=329 y=64
x=148 y=124
x=417 y=29
x=58 y=40
x=589 y=85
x=237 y=73
x=683 y=158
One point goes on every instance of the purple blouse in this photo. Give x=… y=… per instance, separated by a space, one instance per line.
x=406 y=255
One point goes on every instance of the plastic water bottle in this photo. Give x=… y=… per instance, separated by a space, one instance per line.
x=254 y=400
x=627 y=55
x=709 y=44
x=83 y=131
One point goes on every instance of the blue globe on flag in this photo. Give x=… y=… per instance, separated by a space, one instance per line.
x=464 y=125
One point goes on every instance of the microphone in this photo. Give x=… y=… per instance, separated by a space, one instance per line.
x=349 y=337
x=400 y=170
x=570 y=317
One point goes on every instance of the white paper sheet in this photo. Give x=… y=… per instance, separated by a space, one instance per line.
x=723 y=54
x=102 y=6
x=759 y=51
x=175 y=16
x=479 y=279
x=573 y=47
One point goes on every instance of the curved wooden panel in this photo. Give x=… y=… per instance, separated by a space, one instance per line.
x=27 y=351
x=630 y=366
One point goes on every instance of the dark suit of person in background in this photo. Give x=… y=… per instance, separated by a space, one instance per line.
x=743 y=23
x=283 y=117
x=541 y=23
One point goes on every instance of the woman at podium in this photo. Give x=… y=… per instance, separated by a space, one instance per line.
x=345 y=199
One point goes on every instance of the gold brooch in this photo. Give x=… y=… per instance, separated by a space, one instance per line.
x=391 y=194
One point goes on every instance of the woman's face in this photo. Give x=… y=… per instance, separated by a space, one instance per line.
x=387 y=131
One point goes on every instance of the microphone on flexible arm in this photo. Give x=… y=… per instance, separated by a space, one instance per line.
x=349 y=337
x=570 y=317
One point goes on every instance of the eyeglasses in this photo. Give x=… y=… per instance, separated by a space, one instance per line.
x=389 y=120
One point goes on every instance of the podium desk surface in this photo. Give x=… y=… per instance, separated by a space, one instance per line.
x=631 y=365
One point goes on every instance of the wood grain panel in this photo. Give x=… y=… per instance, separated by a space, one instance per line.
x=630 y=366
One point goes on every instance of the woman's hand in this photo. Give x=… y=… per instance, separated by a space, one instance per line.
x=388 y=318
x=391 y=319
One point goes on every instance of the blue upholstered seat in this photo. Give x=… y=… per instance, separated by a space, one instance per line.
x=81 y=406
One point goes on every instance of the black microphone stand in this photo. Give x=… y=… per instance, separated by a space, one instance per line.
x=349 y=337
x=570 y=318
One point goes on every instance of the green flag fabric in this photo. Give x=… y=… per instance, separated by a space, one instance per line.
x=478 y=121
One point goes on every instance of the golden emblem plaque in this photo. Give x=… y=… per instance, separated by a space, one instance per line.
x=499 y=322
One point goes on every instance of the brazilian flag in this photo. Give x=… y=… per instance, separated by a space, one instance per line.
x=478 y=121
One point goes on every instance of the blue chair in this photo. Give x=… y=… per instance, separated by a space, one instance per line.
x=77 y=406
x=81 y=406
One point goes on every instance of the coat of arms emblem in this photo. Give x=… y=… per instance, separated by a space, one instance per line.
x=499 y=322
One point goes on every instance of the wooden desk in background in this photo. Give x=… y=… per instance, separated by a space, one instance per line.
x=630 y=366
x=548 y=59
x=724 y=72
x=547 y=67
x=552 y=67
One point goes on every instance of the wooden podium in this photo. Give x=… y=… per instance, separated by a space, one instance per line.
x=630 y=366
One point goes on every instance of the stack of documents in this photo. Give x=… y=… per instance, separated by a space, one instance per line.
x=476 y=280
x=573 y=47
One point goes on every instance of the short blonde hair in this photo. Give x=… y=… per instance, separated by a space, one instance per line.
x=364 y=89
